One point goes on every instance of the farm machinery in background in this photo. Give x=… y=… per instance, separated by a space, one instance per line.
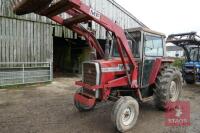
x=190 y=42
x=133 y=68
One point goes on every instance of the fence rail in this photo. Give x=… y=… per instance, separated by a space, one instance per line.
x=15 y=73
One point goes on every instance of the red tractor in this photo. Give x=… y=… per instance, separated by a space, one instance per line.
x=132 y=67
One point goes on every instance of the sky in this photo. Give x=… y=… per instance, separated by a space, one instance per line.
x=166 y=16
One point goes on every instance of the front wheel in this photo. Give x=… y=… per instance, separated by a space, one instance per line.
x=125 y=113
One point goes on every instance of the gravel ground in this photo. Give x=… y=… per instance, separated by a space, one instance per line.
x=48 y=108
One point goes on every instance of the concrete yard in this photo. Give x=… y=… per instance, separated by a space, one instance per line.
x=48 y=108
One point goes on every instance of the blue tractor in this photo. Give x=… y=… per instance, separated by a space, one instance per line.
x=190 y=42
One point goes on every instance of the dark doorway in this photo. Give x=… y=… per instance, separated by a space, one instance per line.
x=69 y=55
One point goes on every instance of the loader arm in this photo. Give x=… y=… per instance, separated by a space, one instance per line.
x=80 y=13
x=185 y=40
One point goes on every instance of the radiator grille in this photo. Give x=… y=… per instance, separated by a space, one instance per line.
x=90 y=73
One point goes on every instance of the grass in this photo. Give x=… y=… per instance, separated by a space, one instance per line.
x=178 y=62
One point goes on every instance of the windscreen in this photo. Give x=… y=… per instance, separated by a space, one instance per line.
x=135 y=42
x=153 y=46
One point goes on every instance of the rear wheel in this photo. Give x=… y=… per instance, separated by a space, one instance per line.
x=81 y=107
x=125 y=113
x=168 y=87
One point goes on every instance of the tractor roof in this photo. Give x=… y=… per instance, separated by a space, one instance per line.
x=145 y=30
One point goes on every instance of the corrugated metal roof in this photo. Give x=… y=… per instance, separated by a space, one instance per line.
x=127 y=12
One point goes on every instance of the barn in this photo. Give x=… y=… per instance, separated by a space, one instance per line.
x=34 y=49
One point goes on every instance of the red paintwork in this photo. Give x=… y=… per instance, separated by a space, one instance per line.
x=109 y=76
x=108 y=79
x=84 y=99
x=155 y=70
x=123 y=81
x=105 y=93
x=80 y=83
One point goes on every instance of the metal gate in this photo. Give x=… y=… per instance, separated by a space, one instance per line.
x=25 y=73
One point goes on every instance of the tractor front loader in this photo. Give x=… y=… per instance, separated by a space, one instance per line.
x=190 y=42
x=132 y=69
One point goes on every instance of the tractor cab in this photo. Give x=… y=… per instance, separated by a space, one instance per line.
x=146 y=46
x=190 y=42
x=146 y=43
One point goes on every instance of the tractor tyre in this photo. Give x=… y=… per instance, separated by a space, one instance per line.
x=190 y=78
x=125 y=113
x=80 y=107
x=168 y=87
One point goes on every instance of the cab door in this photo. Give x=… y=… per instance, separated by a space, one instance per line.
x=153 y=47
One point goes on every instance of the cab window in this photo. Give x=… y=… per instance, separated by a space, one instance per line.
x=153 y=46
x=134 y=40
x=194 y=54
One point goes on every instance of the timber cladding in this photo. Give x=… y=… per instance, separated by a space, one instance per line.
x=25 y=41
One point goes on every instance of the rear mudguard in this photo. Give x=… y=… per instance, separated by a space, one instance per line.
x=156 y=68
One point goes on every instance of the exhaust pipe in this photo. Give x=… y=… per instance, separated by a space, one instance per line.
x=107 y=47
